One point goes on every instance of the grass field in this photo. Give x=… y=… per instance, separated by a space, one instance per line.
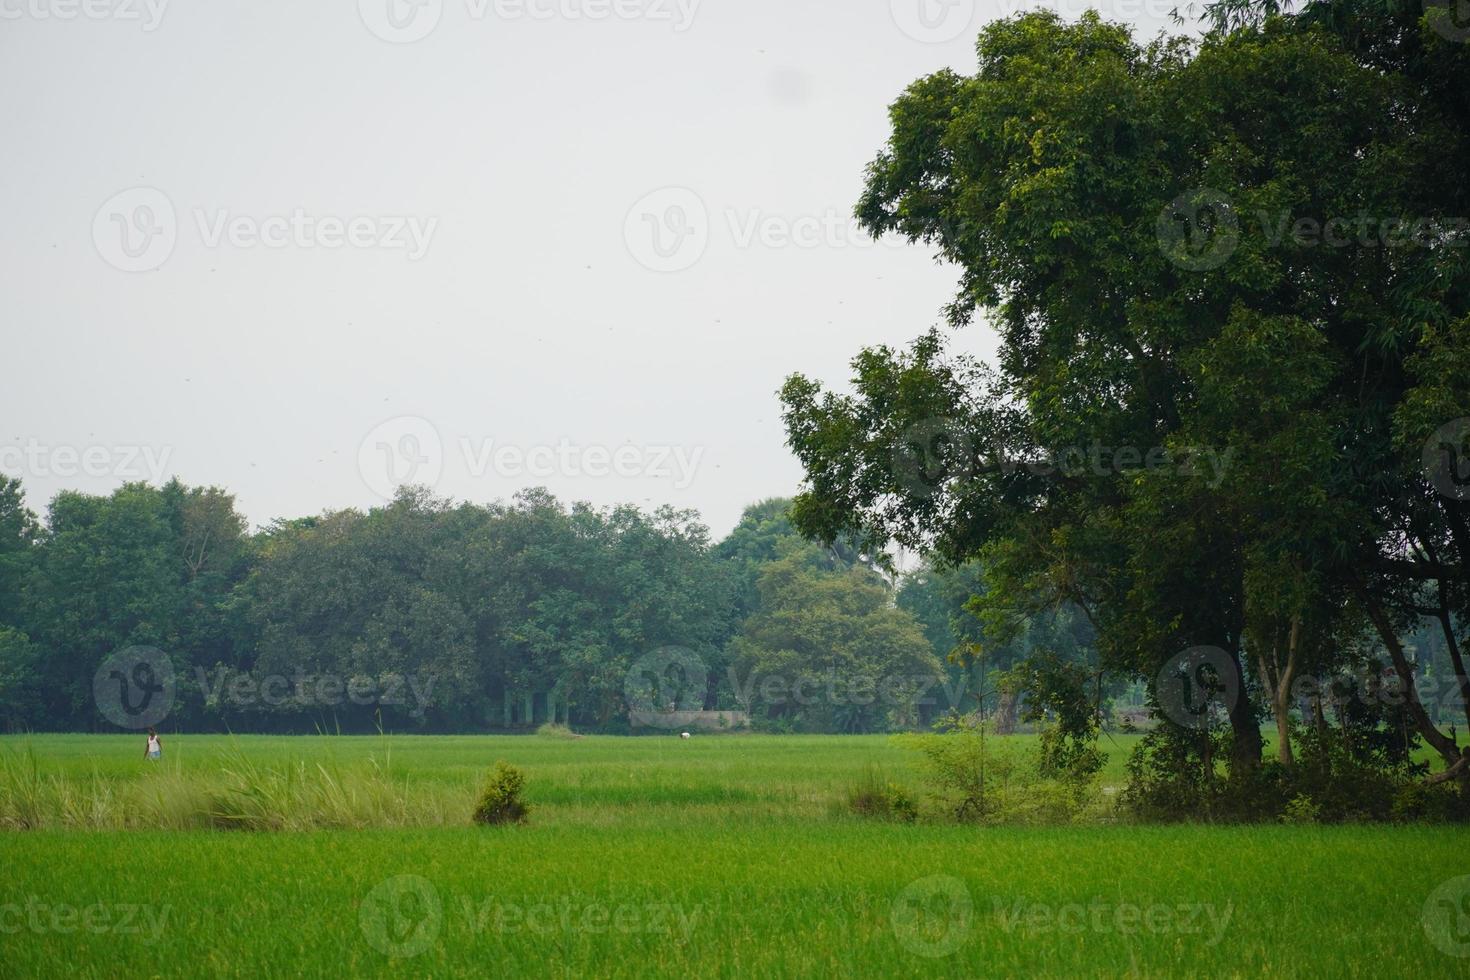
x=653 y=856
x=103 y=782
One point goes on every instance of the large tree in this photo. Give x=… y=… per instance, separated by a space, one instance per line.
x=827 y=649
x=1223 y=351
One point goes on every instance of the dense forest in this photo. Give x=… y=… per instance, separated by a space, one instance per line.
x=430 y=615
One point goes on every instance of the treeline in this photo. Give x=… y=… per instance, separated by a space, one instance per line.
x=429 y=615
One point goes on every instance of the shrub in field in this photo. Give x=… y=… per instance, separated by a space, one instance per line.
x=875 y=797
x=1177 y=773
x=977 y=779
x=1365 y=774
x=1301 y=809
x=23 y=792
x=550 y=730
x=500 y=800
x=1435 y=804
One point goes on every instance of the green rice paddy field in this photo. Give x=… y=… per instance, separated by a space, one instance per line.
x=712 y=857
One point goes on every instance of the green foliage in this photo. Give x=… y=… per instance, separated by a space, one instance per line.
x=828 y=650
x=1267 y=393
x=1353 y=775
x=764 y=530
x=876 y=798
x=1420 y=803
x=550 y=730
x=1176 y=774
x=18 y=535
x=444 y=614
x=441 y=613
x=980 y=779
x=1361 y=773
x=1301 y=809
x=500 y=800
x=1068 y=758
x=20 y=682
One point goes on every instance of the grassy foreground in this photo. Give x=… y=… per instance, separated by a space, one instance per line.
x=293 y=782
x=714 y=857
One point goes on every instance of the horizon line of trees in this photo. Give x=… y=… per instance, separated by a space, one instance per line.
x=426 y=614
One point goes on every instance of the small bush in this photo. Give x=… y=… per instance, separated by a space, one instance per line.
x=997 y=782
x=550 y=730
x=500 y=800
x=1177 y=774
x=1301 y=809
x=1431 y=804
x=876 y=798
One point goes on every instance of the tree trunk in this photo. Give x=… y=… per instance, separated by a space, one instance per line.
x=1005 y=713
x=1452 y=643
x=1436 y=739
x=1245 y=748
x=1281 y=696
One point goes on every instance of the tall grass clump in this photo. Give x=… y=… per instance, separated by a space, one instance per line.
x=243 y=794
x=24 y=795
x=310 y=796
x=552 y=730
x=874 y=797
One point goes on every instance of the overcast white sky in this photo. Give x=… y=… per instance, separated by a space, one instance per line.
x=303 y=248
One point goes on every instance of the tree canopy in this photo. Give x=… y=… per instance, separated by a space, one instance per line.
x=1231 y=287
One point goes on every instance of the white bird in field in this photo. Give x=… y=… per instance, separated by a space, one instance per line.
x=683 y=734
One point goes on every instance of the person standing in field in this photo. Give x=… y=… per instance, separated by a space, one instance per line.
x=155 y=746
